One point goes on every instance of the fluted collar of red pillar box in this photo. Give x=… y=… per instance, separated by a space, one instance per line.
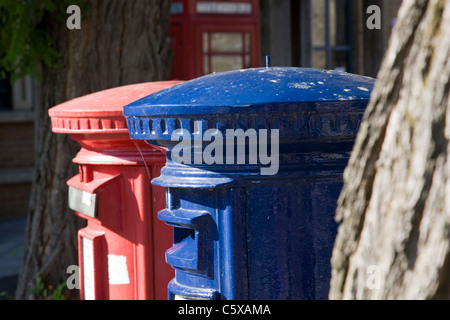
x=96 y=121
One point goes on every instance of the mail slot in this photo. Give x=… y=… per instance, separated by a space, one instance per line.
x=121 y=250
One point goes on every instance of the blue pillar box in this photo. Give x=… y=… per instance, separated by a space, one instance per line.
x=254 y=169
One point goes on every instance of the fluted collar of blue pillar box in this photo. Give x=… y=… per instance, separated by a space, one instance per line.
x=275 y=139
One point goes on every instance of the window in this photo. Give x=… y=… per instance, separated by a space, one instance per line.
x=5 y=94
x=331 y=34
x=224 y=51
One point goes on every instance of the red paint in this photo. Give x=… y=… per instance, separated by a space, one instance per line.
x=188 y=26
x=119 y=171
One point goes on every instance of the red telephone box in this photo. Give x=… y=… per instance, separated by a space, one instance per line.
x=214 y=36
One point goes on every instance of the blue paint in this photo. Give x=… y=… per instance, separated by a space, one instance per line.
x=239 y=234
x=253 y=90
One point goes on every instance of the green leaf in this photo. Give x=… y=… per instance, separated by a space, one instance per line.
x=57 y=293
x=49 y=5
x=24 y=43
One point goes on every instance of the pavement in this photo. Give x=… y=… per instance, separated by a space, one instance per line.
x=12 y=234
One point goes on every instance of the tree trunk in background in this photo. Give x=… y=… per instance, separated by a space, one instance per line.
x=394 y=240
x=120 y=42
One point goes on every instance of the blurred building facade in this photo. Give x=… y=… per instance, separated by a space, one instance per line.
x=326 y=34
x=16 y=146
x=212 y=36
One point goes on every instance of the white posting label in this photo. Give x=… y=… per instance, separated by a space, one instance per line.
x=83 y=201
x=86 y=198
x=88 y=269
x=117 y=269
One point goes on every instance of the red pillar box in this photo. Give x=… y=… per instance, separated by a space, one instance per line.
x=121 y=251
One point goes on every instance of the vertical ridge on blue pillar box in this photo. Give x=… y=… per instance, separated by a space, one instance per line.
x=254 y=169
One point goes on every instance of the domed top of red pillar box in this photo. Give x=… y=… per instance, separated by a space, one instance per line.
x=96 y=121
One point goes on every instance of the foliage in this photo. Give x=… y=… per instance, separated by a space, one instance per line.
x=24 y=43
x=6 y=296
x=48 y=292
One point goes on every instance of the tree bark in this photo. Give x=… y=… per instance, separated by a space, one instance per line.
x=120 y=42
x=393 y=241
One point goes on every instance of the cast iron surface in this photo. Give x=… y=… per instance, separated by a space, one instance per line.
x=239 y=234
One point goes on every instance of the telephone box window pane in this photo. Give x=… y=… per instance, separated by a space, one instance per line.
x=220 y=63
x=205 y=42
x=205 y=64
x=319 y=32
x=226 y=42
x=247 y=42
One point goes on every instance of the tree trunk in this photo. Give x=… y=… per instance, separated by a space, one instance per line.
x=120 y=42
x=394 y=209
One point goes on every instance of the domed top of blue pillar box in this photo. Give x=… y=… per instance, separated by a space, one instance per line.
x=237 y=122
x=250 y=91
